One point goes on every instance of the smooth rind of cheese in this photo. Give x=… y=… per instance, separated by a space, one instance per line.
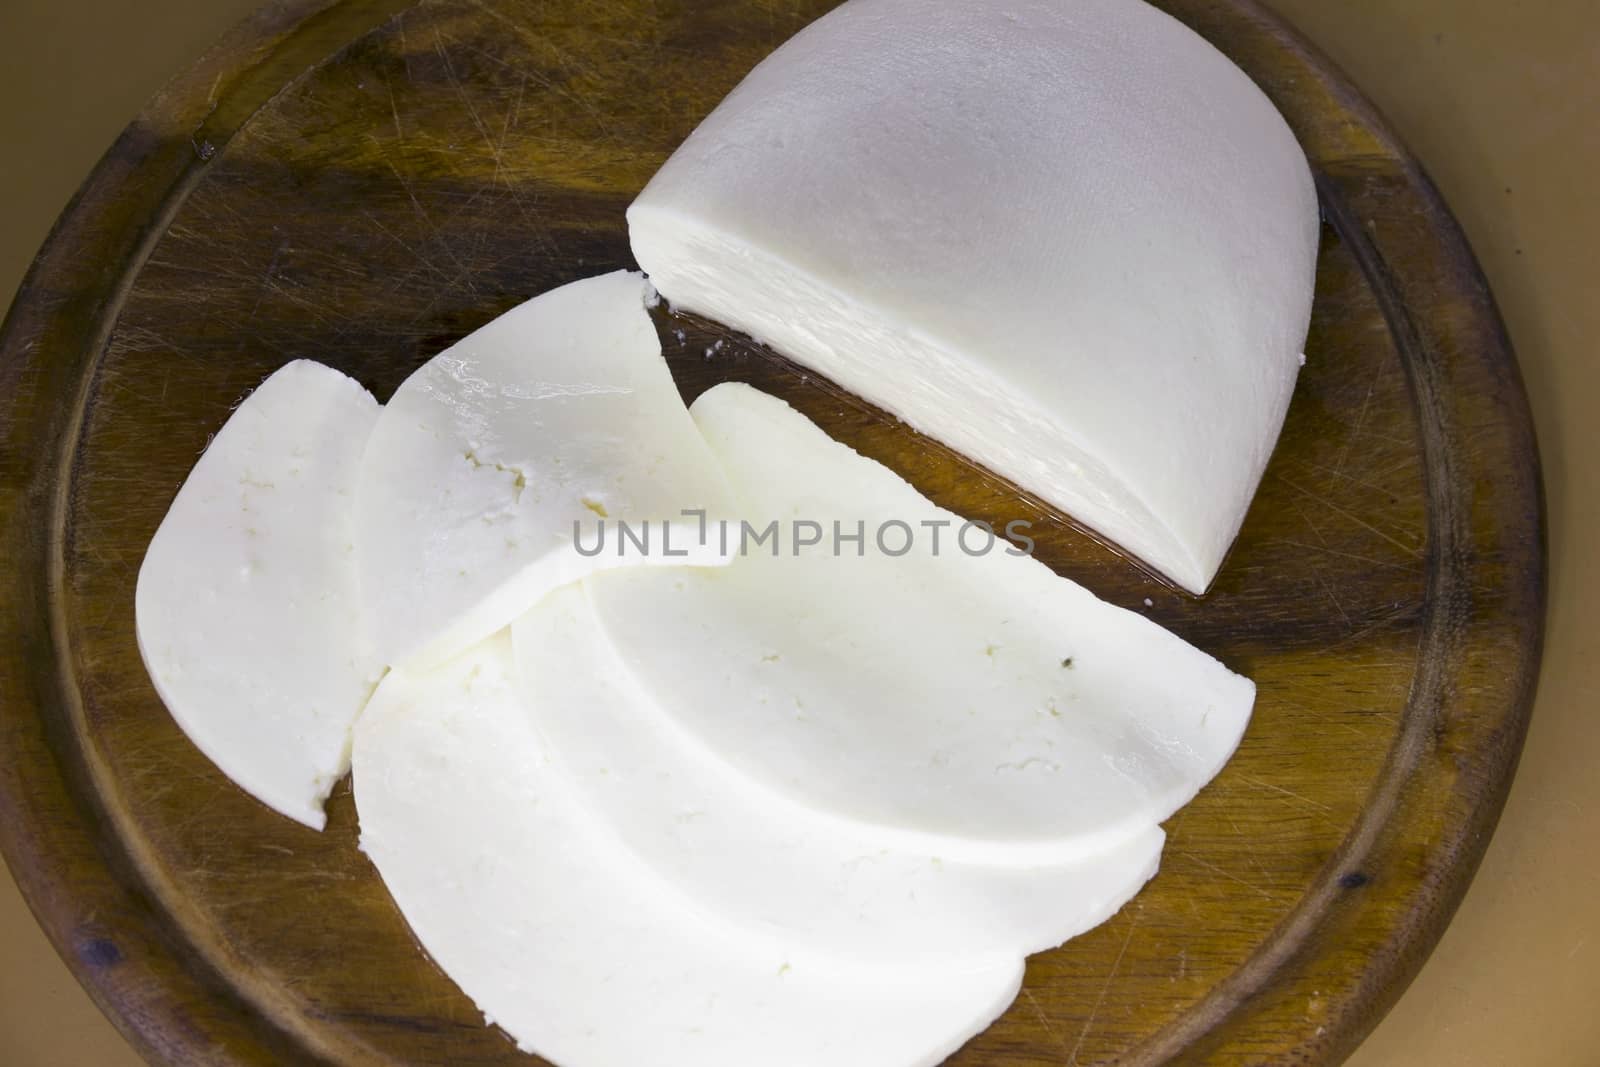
x=246 y=609
x=509 y=464
x=749 y=855
x=975 y=706
x=1070 y=240
x=571 y=945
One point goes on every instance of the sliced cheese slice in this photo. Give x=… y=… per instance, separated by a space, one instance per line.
x=570 y=944
x=510 y=463
x=751 y=856
x=1071 y=240
x=970 y=706
x=246 y=609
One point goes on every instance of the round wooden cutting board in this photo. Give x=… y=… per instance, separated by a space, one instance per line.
x=364 y=182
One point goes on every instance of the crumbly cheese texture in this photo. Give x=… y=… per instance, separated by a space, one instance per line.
x=967 y=706
x=247 y=611
x=1071 y=240
x=494 y=463
x=573 y=947
x=751 y=856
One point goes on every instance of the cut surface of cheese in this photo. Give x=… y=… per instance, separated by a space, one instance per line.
x=508 y=465
x=751 y=856
x=966 y=705
x=1071 y=240
x=246 y=608
x=571 y=945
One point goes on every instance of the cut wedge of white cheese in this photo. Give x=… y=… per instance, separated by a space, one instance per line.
x=500 y=465
x=1071 y=240
x=571 y=945
x=749 y=855
x=966 y=706
x=246 y=609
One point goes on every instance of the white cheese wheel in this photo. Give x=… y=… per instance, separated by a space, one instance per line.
x=967 y=706
x=750 y=855
x=567 y=942
x=501 y=464
x=1071 y=240
x=246 y=609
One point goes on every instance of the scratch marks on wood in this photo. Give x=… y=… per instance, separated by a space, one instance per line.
x=405 y=48
x=1360 y=423
x=394 y=109
x=1094 y=1013
x=1333 y=597
x=1328 y=550
x=537 y=44
x=1284 y=791
x=490 y=143
x=1224 y=874
x=1322 y=499
x=1379 y=493
x=266 y=279
x=513 y=113
x=1403 y=613
x=1044 y=1021
x=464 y=275
x=417 y=259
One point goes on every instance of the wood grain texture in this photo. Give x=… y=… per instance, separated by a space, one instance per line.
x=363 y=185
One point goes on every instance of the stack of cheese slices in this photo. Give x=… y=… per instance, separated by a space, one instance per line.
x=652 y=793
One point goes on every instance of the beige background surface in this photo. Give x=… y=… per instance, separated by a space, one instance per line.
x=1500 y=98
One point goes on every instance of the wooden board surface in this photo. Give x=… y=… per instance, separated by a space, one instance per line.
x=362 y=184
